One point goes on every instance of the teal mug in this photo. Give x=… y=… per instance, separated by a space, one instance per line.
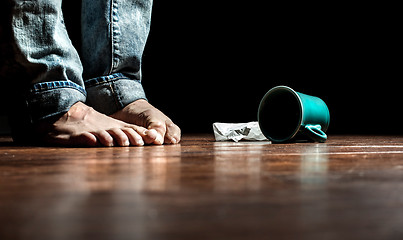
x=286 y=115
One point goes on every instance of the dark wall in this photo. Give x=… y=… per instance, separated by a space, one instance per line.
x=207 y=63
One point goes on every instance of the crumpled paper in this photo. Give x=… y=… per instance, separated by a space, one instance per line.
x=238 y=131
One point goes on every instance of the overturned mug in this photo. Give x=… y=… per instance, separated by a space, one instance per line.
x=285 y=115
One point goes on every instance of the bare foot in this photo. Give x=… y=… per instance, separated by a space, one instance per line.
x=142 y=113
x=84 y=126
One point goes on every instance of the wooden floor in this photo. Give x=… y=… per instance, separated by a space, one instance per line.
x=348 y=188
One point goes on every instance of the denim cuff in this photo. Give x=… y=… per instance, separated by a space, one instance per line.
x=48 y=99
x=109 y=94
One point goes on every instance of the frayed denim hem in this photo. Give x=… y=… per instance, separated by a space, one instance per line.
x=109 y=94
x=52 y=98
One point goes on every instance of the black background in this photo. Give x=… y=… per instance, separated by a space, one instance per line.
x=213 y=61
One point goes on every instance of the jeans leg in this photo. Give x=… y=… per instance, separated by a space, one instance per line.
x=45 y=75
x=45 y=53
x=114 y=34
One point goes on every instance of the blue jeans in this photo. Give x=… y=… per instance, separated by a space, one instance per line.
x=107 y=75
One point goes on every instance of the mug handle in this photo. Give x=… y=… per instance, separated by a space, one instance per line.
x=315 y=133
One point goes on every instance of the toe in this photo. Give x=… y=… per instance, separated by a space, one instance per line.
x=119 y=136
x=134 y=137
x=156 y=137
x=85 y=139
x=160 y=127
x=173 y=133
x=104 y=138
x=148 y=136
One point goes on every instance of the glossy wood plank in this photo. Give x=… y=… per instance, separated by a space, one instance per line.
x=350 y=187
